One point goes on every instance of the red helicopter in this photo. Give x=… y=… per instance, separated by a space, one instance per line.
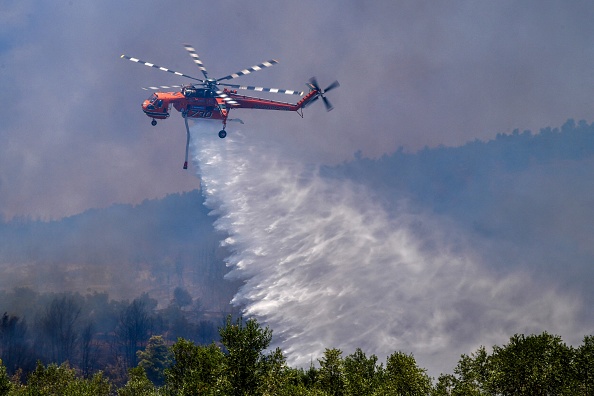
x=206 y=99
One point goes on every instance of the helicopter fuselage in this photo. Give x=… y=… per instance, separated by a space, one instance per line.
x=205 y=103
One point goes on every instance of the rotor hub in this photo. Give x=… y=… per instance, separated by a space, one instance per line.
x=211 y=82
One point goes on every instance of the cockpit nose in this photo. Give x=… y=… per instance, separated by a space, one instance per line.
x=155 y=107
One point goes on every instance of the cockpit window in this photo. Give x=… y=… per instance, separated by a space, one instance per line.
x=153 y=98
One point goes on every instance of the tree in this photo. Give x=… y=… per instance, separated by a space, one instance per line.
x=102 y=312
x=330 y=374
x=299 y=382
x=177 y=323
x=361 y=374
x=97 y=385
x=62 y=380
x=5 y=384
x=13 y=343
x=50 y=380
x=59 y=324
x=138 y=384
x=155 y=359
x=244 y=360
x=196 y=370
x=532 y=365
x=276 y=375
x=584 y=366
x=181 y=297
x=133 y=328
x=445 y=386
x=402 y=376
x=206 y=332
x=87 y=350
x=473 y=373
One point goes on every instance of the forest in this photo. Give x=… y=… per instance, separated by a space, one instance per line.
x=239 y=362
x=93 y=332
x=468 y=181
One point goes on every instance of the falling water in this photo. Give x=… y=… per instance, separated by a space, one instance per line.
x=326 y=266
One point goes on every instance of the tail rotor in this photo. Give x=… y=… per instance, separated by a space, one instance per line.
x=313 y=83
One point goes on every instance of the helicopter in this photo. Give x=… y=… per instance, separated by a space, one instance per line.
x=210 y=98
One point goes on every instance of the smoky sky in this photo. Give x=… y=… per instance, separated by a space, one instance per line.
x=412 y=74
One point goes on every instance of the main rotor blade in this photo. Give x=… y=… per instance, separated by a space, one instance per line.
x=261 y=66
x=160 y=87
x=226 y=98
x=159 y=67
x=262 y=89
x=196 y=59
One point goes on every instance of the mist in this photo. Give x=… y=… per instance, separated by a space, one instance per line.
x=329 y=261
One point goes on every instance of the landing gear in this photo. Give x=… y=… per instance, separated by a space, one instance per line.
x=154 y=122
x=222 y=134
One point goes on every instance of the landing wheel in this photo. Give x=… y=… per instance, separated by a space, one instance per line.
x=222 y=134
x=154 y=122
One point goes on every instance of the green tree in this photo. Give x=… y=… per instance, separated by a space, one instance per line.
x=197 y=370
x=310 y=377
x=533 y=365
x=472 y=374
x=361 y=374
x=155 y=359
x=55 y=380
x=584 y=367
x=138 y=384
x=276 y=375
x=97 y=385
x=330 y=375
x=50 y=380
x=5 y=384
x=402 y=376
x=445 y=385
x=295 y=382
x=244 y=361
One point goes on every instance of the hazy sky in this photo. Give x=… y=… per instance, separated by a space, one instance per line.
x=412 y=73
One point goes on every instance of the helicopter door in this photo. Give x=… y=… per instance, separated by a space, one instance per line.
x=161 y=106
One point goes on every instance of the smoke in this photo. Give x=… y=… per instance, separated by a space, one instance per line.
x=325 y=265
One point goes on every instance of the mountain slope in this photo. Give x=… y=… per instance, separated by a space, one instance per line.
x=123 y=249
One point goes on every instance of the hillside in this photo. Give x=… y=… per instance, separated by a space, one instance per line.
x=522 y=200
x=124 y=250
